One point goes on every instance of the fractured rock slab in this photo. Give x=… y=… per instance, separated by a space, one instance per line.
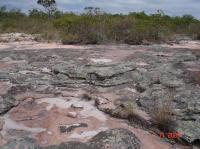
x=71 y=127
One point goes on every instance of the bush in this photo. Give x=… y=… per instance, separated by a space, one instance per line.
x=94 y=26
x=194 y=30
x=71 y=39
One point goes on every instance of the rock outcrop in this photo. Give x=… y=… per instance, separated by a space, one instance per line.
x=21 y=144
x=115 y=139
x=111 y=81
x=112 y=139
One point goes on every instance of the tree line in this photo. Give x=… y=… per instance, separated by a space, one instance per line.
x=94 y=26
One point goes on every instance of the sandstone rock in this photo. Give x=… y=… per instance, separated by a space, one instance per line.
x=50 y=133
x=72 y=114
x=184 y=105
x=73 y=93
x=100 y=100
x=6 y=59
x=11 y=37
x=1 y=123
x=115 y=139
x=45 y=70
x=112 y=139
x=187 y=104
x=4 y=76
x=8 y=100
x=69 y=145
x=171 y=83
x=142 y=118
x=42 y=88
x=77 y=106
x=189 y=130
x=21 y=144
x=6 y=103
x=69 y=73
x=71 y=127
x=103 y=75
x=103 y=104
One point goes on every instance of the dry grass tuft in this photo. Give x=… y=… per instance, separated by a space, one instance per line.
x=87 y=96
x=125 y=110
x=162 y=114
x=129 y=108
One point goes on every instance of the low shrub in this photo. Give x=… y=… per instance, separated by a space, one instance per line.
x=94 y=26
x=70 y=39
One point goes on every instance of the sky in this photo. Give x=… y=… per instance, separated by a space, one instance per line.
x=170 y=7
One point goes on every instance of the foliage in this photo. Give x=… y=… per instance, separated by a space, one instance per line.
x=94 y=26
x=49 y=5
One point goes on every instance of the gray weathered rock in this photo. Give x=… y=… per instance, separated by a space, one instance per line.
x=4 y=76
x=6 y=103
x=25 y=143
x=71 y=127
x=115 y=139
x=1 y=123
x=112 y=139
x=164 y=73
x=103 y=75
x=69 y=145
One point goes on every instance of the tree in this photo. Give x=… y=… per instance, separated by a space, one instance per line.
x=93 y=11
x=49 y=6
x=2 y=12
x=35 y=13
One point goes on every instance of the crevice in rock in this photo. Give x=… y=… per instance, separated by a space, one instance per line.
x=196 y=143
x=69 y=128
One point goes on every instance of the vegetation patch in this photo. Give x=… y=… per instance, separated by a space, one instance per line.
x=162 y=114
x=94 y=26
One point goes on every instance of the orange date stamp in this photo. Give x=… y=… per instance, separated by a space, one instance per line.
x=171 y=135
